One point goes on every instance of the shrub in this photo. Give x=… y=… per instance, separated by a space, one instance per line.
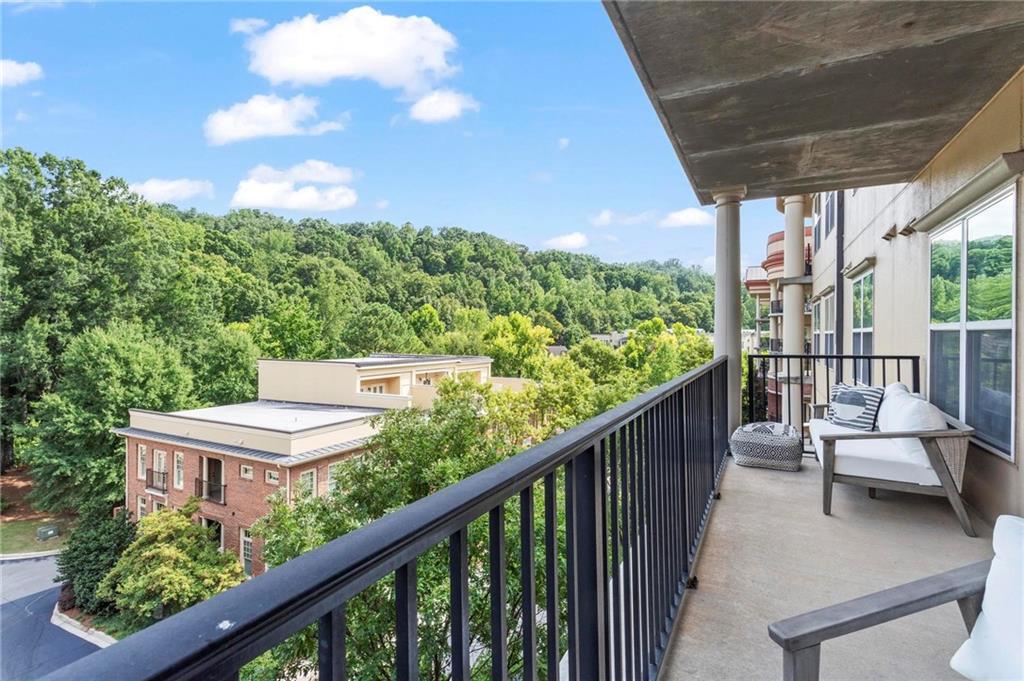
x=95 y=545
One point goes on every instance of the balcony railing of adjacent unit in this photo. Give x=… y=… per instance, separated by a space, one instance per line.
x=808 y=270
x=776 y=307
x=156 y=480
x=767 y=376
x=637 y=484
x=211 y=491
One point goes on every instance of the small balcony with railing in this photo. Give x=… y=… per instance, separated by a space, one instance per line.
x=156 y=481
x=209 y=490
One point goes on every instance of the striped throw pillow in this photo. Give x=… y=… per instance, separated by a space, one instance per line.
x=854 y=406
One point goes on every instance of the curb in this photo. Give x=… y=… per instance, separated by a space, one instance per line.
x=26 y=556
x=76 y=628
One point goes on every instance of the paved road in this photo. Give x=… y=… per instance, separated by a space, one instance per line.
x=30 y=646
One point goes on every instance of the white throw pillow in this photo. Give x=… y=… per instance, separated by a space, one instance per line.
x=904 y=413
x=995 y=649
x=889 y=406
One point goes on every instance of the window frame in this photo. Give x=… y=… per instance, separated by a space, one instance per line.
x=241 y=471
x=179 y=467
x=141 y=506
x=141 y=458
x=271 y=473
x=963 y=327
x=331 y=482
x=299 y=486
x=816 y=327
x=245 y=539
x=865 y=364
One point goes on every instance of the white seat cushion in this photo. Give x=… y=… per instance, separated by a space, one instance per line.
x=995 y=650
x=870 y=458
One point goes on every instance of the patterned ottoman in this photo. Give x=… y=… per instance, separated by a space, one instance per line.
x=768 y=445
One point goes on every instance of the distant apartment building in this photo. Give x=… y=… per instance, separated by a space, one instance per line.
x=309 y=416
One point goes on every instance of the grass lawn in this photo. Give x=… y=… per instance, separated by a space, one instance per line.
x=19 y=536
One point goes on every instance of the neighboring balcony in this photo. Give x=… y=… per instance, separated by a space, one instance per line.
x=208 y=490
x=156 y=481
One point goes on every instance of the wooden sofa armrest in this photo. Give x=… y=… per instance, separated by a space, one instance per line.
x=879 y=435
x=801 y=636
x=819 y=411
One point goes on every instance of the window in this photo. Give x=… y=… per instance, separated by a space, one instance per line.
x=816 y=328
x=828 y=327
x=158 y=505
x=863 y=325
x=971 y=319
x=140 y=471
x=378 y=389
x=160 y=460
x=272 y=477
x=830 y=212
x=179 y=470
x=245 y=551
x=332 y=470
x=245 y=471
x=307 y=482
x=141 y=506
x=216 y=531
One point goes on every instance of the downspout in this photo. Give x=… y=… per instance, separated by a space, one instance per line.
x=840 y=280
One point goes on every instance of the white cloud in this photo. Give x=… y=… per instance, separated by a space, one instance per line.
x=563 y=143
x=609 y=217
x=688 y=217
x=22 y=6
x=160 y=190
x=382 y=204
x=295 y=188
x=568 y=242
x=407 y=53
x=267 y=116
x=21 y=116
x=18 y=72
x=247 y=26
x=442 y=105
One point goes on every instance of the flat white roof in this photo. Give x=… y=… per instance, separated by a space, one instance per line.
x=379 y=359
x=287 y=417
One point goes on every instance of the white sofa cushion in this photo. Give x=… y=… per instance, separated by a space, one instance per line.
x=902 y=412
x=995 y=649
x=870 y=458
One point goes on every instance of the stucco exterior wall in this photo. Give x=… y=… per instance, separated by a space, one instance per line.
x=993 y=485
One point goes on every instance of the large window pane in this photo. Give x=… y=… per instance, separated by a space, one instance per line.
x=868 y=291
x=989 y=380
x=944 y=382
x=990 y=262
x=945 y=276
x=857 y=308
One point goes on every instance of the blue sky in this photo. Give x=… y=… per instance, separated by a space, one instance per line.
x=525 y=120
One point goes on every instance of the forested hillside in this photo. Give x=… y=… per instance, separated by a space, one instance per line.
x=167 y=308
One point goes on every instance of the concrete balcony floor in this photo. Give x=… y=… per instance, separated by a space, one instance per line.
x=770 y=553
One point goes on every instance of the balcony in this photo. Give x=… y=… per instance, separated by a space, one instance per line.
x=156 y=481
x=208 y=490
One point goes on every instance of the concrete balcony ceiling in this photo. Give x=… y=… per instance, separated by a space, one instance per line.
x=793 y=97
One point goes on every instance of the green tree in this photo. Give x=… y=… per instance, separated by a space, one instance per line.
x=172 y=563
x=224 y=366
x=291 y=330
x=513 y=342
x=378 y=328
x=94 y=546
x=601 y=362
x=72 y=455
x=427 y=324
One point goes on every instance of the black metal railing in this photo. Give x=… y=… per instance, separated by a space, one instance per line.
x=776 y=307
x=768 y=377
x=636 y=484
x=156 y=480
x=211 y=491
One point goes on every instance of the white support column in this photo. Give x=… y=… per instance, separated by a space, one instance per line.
x=793 y=309
x=727 y=292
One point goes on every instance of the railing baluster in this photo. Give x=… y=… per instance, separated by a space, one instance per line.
x=499 y=623
x=458 y=571
x=526 y=580
x=636 y=569
x=407 y=664
x=331 y=645
x=615 y=595
x=588 y=574
x=625 y=592
x=551 y=574
x=570 y=568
